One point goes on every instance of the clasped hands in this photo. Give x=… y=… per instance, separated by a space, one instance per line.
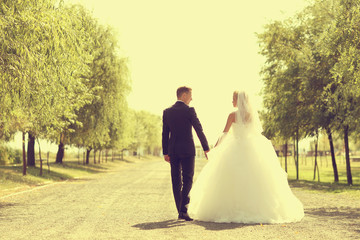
x=167 y=157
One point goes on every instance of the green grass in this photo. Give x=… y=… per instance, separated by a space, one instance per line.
x=11 y=177
x=326 y=183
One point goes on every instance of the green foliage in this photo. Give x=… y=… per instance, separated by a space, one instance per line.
x=9 y=155
x=284 y=99
x=145 y=131
x=43 y=59
x=62 y=76
x=312 y=72
x=101 y=122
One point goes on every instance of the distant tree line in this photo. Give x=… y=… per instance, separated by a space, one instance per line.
x=312 y=75
x=63 y=79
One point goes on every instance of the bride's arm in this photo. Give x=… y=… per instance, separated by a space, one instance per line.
x=229 y=121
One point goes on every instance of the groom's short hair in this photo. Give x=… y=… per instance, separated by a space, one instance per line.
x=182 y=90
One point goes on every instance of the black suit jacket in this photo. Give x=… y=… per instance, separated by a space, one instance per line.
x=177 y=138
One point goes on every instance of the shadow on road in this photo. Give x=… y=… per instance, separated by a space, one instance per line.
x=345 y=215
x=159 y=225
x=334 y=212
x=179 y=223
x=221 y=226
x=5 y=204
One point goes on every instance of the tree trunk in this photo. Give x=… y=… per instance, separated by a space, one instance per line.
x=286 y=153
x=106 y=154
x=332 y=151
x=94 y=156
x=88 y=150
x=316 y=166
x=347 y=155
x=296 y=154
x=40 y=157
x=60 y=153
x=47 y=161
x=31 y=151
x=24 y=154
x=99 y=156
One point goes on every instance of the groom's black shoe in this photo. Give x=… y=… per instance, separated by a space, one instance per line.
x=185 y=216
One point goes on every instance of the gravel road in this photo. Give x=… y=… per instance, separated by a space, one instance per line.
x=135 y=201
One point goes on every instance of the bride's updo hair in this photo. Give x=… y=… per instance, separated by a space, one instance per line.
x=235 y=96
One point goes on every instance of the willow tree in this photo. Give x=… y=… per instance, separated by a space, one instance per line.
x=41 y=61
x=102 y=120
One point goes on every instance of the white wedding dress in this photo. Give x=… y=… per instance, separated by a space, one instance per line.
x=243 y=181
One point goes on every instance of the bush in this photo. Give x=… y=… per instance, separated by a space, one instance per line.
x=9 y=156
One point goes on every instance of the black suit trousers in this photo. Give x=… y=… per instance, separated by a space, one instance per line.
x=182 y=173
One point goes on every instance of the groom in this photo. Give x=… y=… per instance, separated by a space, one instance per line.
x=178 y=147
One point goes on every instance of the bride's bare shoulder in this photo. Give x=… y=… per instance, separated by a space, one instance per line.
x=230 y=121
x=231 y=117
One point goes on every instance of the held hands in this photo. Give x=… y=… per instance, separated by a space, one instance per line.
x=221 y=138
x=206 y=154
x=167 y=158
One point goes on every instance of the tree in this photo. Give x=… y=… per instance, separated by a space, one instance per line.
x=317 y=52
x=342 y=41
x=146 y=132
x=318 y=78
x=101 y=122
x=286 y=110
x=42 y=62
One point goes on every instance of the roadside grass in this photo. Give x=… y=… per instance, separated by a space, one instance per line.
x=326 y=187
x=12 y=179
x=326 y=182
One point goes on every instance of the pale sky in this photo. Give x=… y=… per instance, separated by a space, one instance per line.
x=208 y=45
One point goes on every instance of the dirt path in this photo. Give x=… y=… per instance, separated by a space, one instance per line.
x=135 y=202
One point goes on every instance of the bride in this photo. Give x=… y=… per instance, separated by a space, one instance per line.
x=243 y=181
